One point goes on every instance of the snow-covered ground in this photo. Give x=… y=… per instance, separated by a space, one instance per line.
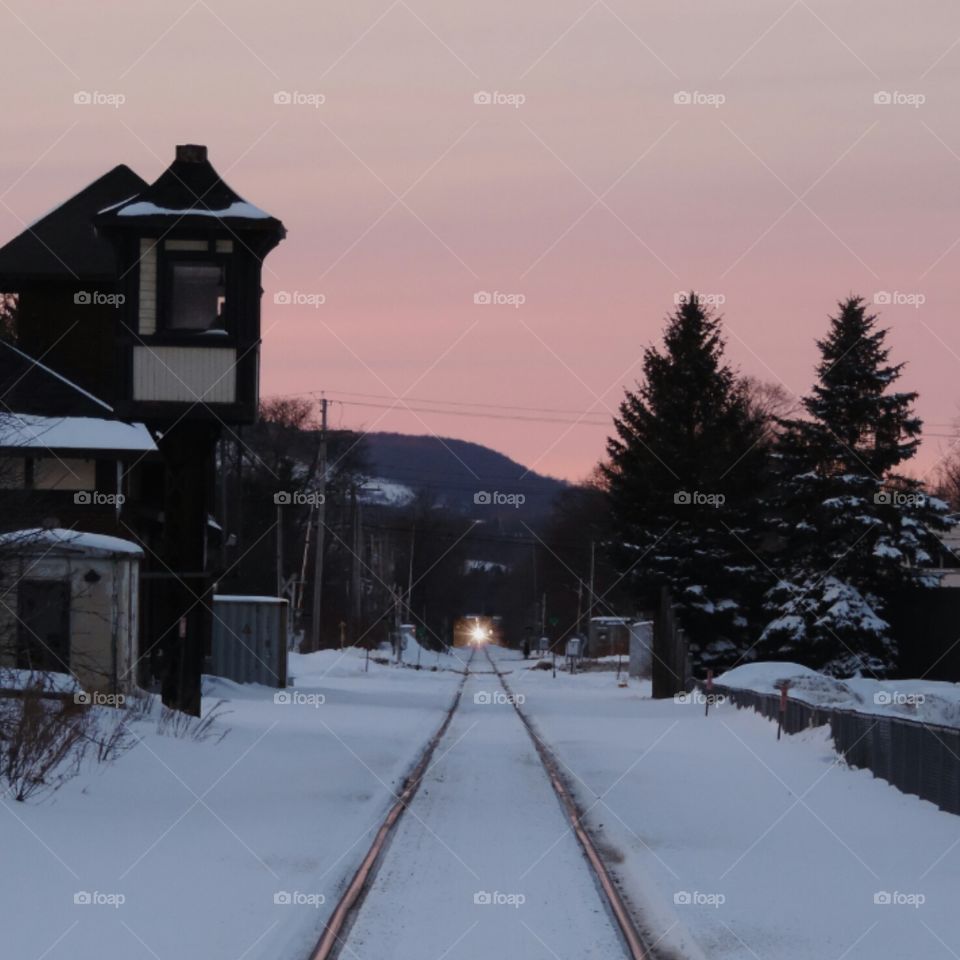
x=464 y=877
x=728 y=843
x=931 y=701
x=731 y=844
x=199 y=838
x=391 y=493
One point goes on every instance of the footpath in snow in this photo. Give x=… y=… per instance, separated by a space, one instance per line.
x=483 y=863
x=730 y=844
x=220 y=850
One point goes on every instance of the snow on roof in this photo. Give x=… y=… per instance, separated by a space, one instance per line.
x=119 y=203
x=238 y=209
x=59 y=539
x=59 y=376
x=72 y=433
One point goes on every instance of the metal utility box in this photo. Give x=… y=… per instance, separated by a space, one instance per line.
x=641 y=649
x=250 y=640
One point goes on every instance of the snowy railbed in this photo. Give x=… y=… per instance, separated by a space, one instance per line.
x=199 y=837
x=730 y=844
x=930 y=701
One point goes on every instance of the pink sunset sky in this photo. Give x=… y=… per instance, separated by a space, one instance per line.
x=584 y=189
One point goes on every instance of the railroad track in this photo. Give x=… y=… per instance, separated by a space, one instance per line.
x=332 y=938
x=348 y=907
x=628 y=931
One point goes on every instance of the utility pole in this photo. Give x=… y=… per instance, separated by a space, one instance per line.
x=304 y=560
x=279 y=550
x=580 y=606
x=355 y=584
x=593 y=568
x=321 y=529
x=413 y=536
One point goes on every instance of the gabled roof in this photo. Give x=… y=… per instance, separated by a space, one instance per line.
x=29 y=386
x=190 y=193
x=63 y=244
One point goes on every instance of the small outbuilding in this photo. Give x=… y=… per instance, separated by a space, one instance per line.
x=71 y=606
x=608 y=636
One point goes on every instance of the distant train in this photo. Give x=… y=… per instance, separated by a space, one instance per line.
x=475 y=630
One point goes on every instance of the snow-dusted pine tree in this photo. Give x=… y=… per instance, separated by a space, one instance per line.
x=683 y=473
x=851 y=528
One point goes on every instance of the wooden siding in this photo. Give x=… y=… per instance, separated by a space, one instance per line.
x=185 y=374
x=148 y=286
x=201 y=246
x=51 y=473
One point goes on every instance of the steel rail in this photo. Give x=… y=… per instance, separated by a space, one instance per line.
x=330 y=940
x=628 y=930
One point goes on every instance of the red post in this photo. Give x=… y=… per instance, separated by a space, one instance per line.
x=784 y=687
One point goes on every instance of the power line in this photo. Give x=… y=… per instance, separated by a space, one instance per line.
x=401 y=403
x=400 y=406
x=472 y=403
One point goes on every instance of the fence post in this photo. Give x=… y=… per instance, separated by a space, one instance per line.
x=782 y=714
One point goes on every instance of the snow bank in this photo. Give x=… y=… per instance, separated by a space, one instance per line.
x=221 y=848
x=733 y=845
x=930 y=701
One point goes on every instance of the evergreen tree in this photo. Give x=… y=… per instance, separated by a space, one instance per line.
x=851 y=528
x=684 y=472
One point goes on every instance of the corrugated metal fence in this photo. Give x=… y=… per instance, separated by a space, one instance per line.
x=250 y=640
x=917 y=758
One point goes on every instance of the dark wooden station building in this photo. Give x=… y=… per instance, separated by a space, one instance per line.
x=147 y=298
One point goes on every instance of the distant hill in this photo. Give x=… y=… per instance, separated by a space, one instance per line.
x=458 y=473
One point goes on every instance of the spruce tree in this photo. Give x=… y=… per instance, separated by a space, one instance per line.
x=684 y=470
x=851 y=528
